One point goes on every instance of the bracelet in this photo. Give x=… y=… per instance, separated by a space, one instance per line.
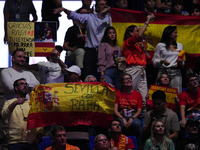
x=146 y=23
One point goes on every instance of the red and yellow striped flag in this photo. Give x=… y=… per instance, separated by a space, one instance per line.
x=188 y=30
x=44 y=48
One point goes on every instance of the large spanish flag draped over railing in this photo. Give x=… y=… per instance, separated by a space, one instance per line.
x=71 y=104
x=188 y=30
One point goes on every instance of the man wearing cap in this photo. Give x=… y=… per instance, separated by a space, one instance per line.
x=73 y=74
x=192 y=128
x=189 y=100
x=50 y=71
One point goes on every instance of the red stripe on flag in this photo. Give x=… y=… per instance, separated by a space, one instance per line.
x=131 y=16
x=74 y=118
x=43 y=54
x=45 y=44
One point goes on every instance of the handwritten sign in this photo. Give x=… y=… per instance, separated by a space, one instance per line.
x=21 y=36
x=171 y=93
x=72 y=104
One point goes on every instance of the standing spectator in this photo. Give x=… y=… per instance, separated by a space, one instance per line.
x=192 y=128
x=160 y=112
x=108 y=52
x=123 y=4
x=16 y=111
x=166 y=57
x=128 y=107
x=96 y=25
x=164 y=5
x=50 y=71
x=135 y=54
x=159 y=139
x=47 y=10
x=150 y=5
x=18 y=10
x=75 y=39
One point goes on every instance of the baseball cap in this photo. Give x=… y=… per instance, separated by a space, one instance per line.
x=74 y=69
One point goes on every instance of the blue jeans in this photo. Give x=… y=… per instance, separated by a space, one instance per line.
x=112 y=76
x=23 y=146
x=135 y=129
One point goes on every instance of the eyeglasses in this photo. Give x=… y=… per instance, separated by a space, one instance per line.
x=193 y=80
x=22 y=84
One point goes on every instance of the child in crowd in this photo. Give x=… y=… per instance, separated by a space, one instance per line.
x=194 y=10
x=177 y=8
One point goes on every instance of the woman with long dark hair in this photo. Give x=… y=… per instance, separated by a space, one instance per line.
x=135 y=54
x=166 y=57
x=128 y=107
x=108 y=52
x=159 y=140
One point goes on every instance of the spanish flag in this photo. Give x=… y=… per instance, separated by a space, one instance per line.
x=71 y=104
x=187 y=27
x=44 y=48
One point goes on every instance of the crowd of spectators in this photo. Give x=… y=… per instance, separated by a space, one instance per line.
x=91 y=45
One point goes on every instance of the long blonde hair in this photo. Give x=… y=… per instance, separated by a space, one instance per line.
x=165 y=141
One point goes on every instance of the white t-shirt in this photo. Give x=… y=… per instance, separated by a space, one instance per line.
x=9 y=75
x=50 y=72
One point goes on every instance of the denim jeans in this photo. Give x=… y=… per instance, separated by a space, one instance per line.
x=135 y=129
x=112 y=76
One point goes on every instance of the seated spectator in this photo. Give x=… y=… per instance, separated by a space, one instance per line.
x=194 y=10
x=9 y=75
x=75 y=39
x=189 y=99
x=96 y=25
x=195 y=1
x=16 y=111
x=164 y=5
x=123 y=4
x=108 y=52
x=87 y=4
x=159 y=139
x=192 y=128
x=162 y=80
x=118 y=139
x=150 y=5
x=60 y=139
x=50 y=71
x=90 y=78
x=177 y=8
x=73 y=74
x=128 y=107
x=101 y=142
x=160 y=112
